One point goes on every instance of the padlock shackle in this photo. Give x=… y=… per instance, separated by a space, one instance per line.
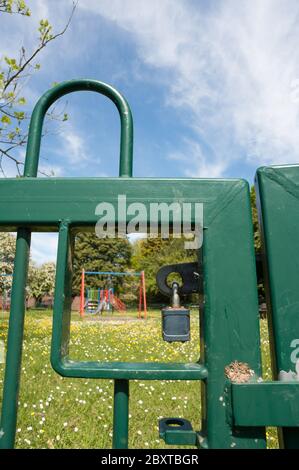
x=48 y=98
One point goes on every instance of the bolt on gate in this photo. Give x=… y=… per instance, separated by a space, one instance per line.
x=234 y=415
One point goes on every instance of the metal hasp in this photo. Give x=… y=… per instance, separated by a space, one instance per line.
x=190 y=273
x=230 y=320
x=176 y=319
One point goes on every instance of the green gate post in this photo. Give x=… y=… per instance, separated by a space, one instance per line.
x=121 y=414
x=278 y=204
x=15 y=342
x=275 y=403
x=230 y=320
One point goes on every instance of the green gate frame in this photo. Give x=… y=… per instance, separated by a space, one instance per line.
x=230 y=320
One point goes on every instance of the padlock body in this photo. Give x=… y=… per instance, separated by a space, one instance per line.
x=175 y=324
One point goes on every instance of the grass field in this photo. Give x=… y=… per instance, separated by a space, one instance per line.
x=77 y=413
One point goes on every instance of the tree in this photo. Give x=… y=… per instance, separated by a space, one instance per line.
x=129 y=292
x=7 y=255
x=41 y=280
x=257 y=242
x=152 y=253
x=13 y=74
x=95 y=254
x=14 y=6
x=256 y=229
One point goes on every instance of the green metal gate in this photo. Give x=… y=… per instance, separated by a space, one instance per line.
x=234 y=415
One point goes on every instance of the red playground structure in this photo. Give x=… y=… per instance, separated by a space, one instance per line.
x=93 y=301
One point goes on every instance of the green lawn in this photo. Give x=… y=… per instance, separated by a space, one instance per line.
x=59 y=413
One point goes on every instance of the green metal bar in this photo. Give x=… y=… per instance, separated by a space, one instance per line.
x=33 y=203
x=14 y=342
x=265 y=404
x=119 y=370
x=48 y=98
x=111 y=273
x=62 y=297
x=121 y=414
x=230 y=320
x=278 y=204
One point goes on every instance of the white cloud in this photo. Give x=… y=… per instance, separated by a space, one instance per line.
x=233 y=67
x=196 y=163
x=46 y=169
x=44 y=247
x=74 y=146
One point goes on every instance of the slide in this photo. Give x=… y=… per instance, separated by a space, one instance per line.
x=117 y=304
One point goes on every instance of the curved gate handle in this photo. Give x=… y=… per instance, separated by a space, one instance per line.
x=48 y=98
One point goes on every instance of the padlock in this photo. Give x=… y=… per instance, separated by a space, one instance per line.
x=175 y=320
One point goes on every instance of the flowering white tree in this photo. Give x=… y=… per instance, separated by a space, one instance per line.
x=41 y=280
x=7 y=254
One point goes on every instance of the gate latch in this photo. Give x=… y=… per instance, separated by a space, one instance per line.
x=175 y=319
x=177 y=431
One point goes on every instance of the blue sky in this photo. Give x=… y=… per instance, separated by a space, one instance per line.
x=213 y=86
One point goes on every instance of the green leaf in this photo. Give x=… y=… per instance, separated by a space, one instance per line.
x=5 y=119
x=12 y=63
x=19 y=115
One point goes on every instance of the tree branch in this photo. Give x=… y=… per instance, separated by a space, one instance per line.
x=43 y=44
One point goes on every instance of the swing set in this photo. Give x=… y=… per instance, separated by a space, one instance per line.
x=95 y=301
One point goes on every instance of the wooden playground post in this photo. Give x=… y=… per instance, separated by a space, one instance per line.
x=140 y=298
x=82 y=299
x=144 y=294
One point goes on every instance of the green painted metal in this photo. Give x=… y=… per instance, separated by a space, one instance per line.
x=16 y=325
x=265 y=404
x=176 y=431
x=121 y=414
x=278 y=202
x=65 y=366
x=230 y=320
x=52 y=95
x=14 y=342
x=42 y=203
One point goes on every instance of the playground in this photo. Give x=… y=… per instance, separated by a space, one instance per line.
x=60 y=412
x=104 y=299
